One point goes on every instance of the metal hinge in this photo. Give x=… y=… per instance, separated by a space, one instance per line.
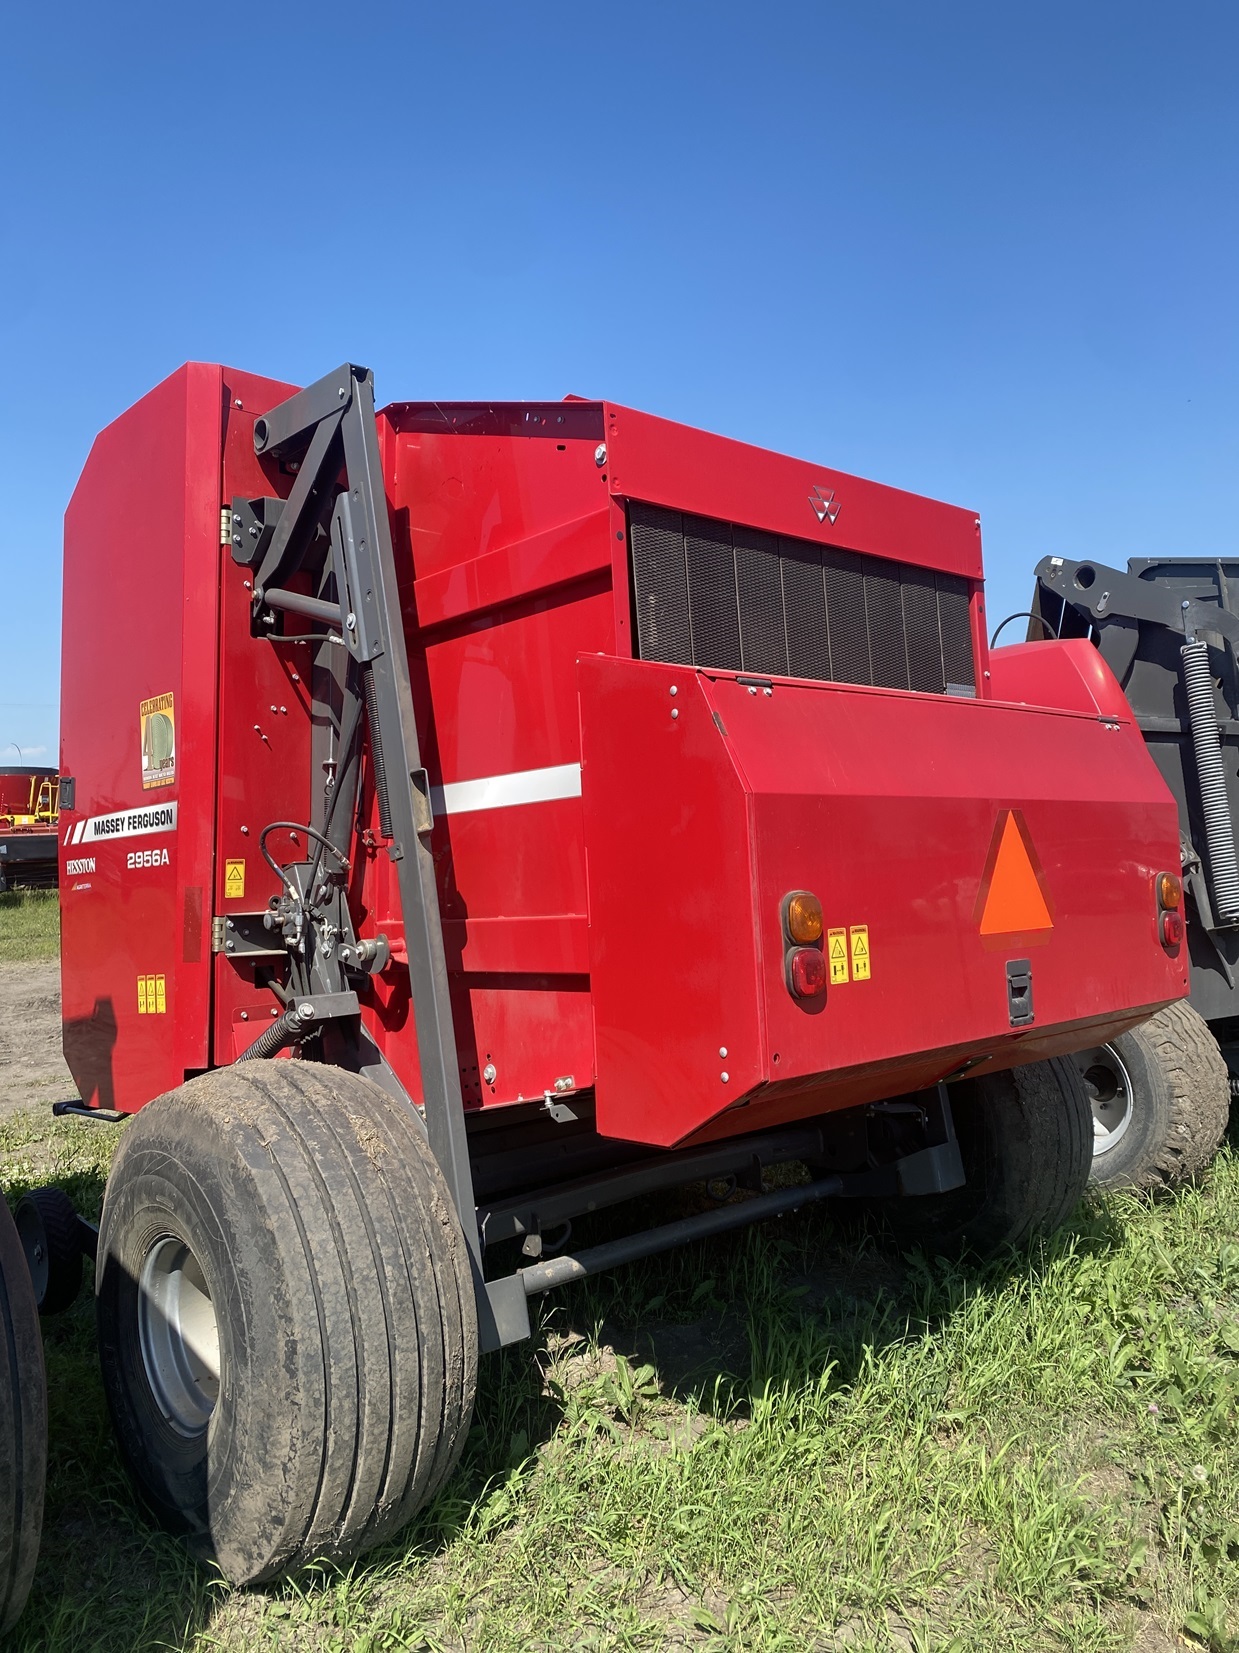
x=217 y=935
x=225 y=525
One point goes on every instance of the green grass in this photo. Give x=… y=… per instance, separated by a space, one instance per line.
x=824 y=1446
x=29 y=926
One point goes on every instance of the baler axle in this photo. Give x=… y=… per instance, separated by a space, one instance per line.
x=559 y=1271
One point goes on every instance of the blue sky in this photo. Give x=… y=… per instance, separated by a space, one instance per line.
x=985 y=252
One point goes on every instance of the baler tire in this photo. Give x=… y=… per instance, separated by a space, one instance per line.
x=48 y=1227
x=1178 y=1106
x=304 y=1201
x=23 y=1426
x=1025 y=1136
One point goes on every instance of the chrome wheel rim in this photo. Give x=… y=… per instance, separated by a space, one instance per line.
x=1111 y=1095
x=179 y=1336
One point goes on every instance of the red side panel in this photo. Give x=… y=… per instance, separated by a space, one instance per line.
x=140 y=613
x=707 y=800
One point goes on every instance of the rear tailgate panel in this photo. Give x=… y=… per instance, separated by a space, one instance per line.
x=890 y=807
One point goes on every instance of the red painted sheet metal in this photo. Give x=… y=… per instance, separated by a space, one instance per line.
x=705 y=807
x=674 y=465
x=140 y=605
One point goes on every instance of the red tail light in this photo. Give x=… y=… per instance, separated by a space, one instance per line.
x=806 y=972
x=1172 y=929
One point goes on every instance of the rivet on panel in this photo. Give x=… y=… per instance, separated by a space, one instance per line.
x=674 y=712
x=722 y=1050
x=724 y=1076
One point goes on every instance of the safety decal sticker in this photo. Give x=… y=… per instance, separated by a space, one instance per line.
x=234 y=880
x=158 y=719
x=1012 y=898
x=152 y=996
x=837 y=954
x=860 y=952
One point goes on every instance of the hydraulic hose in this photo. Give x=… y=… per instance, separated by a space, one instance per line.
x=1214 y=802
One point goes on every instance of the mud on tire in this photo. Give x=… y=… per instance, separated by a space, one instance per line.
x=23 y=1426
x=1161 y=1101
x=286 y=1315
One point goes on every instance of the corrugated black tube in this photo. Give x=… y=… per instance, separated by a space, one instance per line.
x=1214 y=802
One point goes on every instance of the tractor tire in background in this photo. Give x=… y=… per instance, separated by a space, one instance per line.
x=1025 y=1137
x=47 y=1226
x=23 y=1426
x=287 y=1325
x=1160 y=1099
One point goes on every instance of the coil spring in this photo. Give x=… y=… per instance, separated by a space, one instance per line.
x=1214 y=801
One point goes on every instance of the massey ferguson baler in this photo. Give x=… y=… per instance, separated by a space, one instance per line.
x=476 y=815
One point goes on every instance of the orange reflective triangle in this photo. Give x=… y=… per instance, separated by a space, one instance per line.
x=1014 y=899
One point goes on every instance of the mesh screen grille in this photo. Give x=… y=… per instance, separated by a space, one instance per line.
x=713 y=594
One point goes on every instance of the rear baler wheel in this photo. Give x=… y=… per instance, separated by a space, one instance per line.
x=1025 y=1136
x=286 y=1315
x=1161 y=1102
x=23 y=1426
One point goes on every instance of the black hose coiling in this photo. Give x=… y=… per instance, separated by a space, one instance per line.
x=272 y=1039
x=1214 y=802
x=376 y=751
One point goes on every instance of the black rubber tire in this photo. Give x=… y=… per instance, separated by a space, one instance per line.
x=23 y=1426
x=1180 y=1102
x=48 y=1230
x=1025 y=1137
x=344 y=1305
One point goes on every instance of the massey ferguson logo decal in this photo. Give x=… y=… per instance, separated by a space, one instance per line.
x=825 y=507
x=123 y=823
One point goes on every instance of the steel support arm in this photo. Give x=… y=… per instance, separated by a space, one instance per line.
x=1105 y=593
x=341 y=406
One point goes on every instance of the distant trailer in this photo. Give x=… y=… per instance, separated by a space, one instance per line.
x=29 y=812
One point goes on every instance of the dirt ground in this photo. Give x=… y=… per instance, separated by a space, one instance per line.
x=32 y=1069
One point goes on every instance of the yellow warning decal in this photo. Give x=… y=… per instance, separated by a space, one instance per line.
x=837 y=953
x=234 y=880
x=860 y=952
x=152 y=996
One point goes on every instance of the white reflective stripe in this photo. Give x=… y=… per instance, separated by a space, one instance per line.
x=68 y=833
x=78 y=830
x=527 y=786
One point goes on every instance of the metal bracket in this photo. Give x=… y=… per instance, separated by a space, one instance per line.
x=1109 y=594
x=244 y=935
x=326 y=1007
x=253 y=523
